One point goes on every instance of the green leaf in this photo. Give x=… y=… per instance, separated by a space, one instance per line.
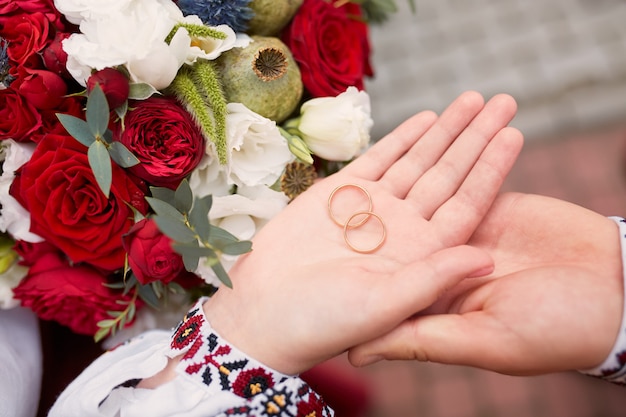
x=237 y=248
x=194 y=250
x=174 y=229
x=78 y=128
x=163 y=194
x=199 y=216
x=121 y=155
x=97 y=112
x=222 y=275
x=191 y=263
x=101 y=334
x=106 y=323
x=183 y=197
x=146 y=293
x=141 y=91
x=220 y=237
x=165 y=209
x=100 y=163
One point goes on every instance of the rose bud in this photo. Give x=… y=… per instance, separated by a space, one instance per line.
x=43 y=89
x=54 y=57
x=113 y=83
x=150 y=253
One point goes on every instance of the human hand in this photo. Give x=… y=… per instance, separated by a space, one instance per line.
x=553 y=303
x=302 y=295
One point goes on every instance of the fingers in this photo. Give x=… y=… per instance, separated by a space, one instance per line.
x=419 y=284
x=448 y=338
x=445 y=176
x=479 y=189
x=384 y=153
x=430 y=145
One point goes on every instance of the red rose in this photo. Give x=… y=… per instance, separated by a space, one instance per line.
x=73 y=295
x=164 y=138
x=12 y=7
x=73 y=105
x=55 y=57
x=150 y=253
x=114 y=85
x=44 y=89
x=67 y=207
x=18 y=118
x=27 y=35
x=331 y=47
x=30 y=253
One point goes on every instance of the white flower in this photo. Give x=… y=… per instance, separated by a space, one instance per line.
x=209 y=177
x=14 y=218
x=258 y=152
x=210 y=48
x=133 y=36
x=9 y=280
x=78 y=10
x=243 y=215
x=337 y=128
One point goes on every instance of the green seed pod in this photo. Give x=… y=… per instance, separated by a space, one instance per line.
x=270 y=16
x=263 y=76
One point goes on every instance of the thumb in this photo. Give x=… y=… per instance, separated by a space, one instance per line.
x=470 y=339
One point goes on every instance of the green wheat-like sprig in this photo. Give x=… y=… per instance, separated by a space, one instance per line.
x=207 y=78
x=196 y=31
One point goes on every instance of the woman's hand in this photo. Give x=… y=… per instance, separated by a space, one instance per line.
x=553 y=303
x=302 y=295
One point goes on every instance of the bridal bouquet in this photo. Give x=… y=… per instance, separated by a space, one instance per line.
x=144 y=142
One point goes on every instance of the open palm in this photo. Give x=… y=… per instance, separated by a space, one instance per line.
x=302 y=295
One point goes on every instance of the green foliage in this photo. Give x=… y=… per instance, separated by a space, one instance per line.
x=185 y=219
x=378 y=11
x=196 y=31
x=95 y=135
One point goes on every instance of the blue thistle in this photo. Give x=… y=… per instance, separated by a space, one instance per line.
x=5 y=77
x=234 y=13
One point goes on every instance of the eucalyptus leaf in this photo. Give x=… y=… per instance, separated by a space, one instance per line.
x=183 y=197
x=199 y=217
x=146 y=293
x=141 y=91
x=101 y=333
x=107 y=136
x=174 y=229
x=222 y=274
x=78 y=128
x=122 y=110
x=220 y=237
x=100 y=163
x=130 y=283
x=163 y=194
x=193 y=250
x=165 y=209
x=121 y=155
x=191 y=263
x=237 y=248
x=106 y=323
x=97 y=111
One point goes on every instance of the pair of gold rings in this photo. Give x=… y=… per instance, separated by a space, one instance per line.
x=352 y=222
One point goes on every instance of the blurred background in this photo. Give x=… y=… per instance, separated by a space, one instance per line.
x=564 y=61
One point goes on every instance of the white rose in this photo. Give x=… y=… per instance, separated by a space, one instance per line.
x=133 y=37
x=14 y=218
x=258 y=152
x=209 y=177
x=243 y=215
x=337 y=128
x=78 y=10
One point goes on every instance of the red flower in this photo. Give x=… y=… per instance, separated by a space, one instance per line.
x=164 y=138
x=67 y=207
x=73 y=295
x=150 y=253
x=27 y=35
x=54 y=57
x=44 y=89
x=114 y=85
x=13 y=7
x=330 y=45
x=73 y=105
x=18 y=118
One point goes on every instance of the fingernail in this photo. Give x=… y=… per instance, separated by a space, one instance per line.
x=368 y=360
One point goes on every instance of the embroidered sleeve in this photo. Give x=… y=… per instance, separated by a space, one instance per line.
x=613 y=369
x=248 y=387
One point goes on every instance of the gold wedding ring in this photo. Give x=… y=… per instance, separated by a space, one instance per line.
x=369 y=214
x=366 y=214
x=332 y=214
